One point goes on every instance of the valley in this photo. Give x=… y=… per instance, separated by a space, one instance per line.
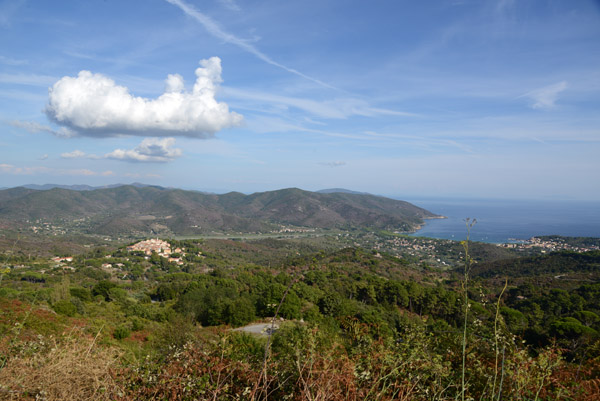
x=362 y=304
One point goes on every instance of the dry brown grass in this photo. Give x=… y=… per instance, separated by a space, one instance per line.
x=74 y=369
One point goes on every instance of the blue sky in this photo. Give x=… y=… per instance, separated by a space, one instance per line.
x=402 y=98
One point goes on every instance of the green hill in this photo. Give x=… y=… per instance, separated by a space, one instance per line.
x=129 y=210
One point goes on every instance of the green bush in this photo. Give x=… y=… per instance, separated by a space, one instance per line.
x=570 y=327
x=239 y=312
x=514 y=319
x=79 y=305
x=121 y=332
x=6 y=292
x=117 y=294
x=81 y=293
x=137 y=324
x=102 y=288
x=33 y=277
x=65 y=307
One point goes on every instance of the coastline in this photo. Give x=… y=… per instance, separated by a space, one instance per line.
x=509 y=221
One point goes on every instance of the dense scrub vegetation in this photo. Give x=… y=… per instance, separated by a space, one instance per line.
x=350 y=324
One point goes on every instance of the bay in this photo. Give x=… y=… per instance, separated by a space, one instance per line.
x=500 y=221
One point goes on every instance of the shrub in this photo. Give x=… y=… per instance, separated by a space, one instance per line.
x=136 y=324
x=102 y=288
x=121 y=332
x=79 y=305
x=65 y=307
x=81 y=293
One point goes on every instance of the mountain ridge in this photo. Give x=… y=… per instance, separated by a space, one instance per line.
x=144 y=210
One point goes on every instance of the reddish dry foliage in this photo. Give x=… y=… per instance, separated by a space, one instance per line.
x=189 y=375
x=138 y=337
x=327 y=379
x=75 y=369
x=582 y=382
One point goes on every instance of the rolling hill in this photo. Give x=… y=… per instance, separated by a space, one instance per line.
x=154 y=210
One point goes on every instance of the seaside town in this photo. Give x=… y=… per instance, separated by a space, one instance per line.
x=551 y=244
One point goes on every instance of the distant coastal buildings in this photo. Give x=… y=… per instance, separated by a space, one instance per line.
x=549 y=245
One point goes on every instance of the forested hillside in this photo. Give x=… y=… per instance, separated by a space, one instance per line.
x=324 y=322
x=139 y=211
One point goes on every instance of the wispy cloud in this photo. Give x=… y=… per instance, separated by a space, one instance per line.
x=27 y=79
x=214 y=29
x=545 y=98
x=230 y=4
x=34 y=127
x=333 y=164
x=14 y=170
x=423 y=142
x=11 y=61
x=8 y=9
x=337 y=108
x=275 y=124
x=502 y=5
x=138 y=175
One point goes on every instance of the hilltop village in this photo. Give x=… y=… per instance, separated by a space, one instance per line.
x=160 y=247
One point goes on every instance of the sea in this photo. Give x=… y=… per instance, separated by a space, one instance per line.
x=504 y=221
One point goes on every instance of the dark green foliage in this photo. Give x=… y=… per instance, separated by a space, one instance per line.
x=33 y=277
x=95 y=273
x=558 y=262
x=394 y=293
x=117 y=294
x=65 y=307
x=515 y=320
x=148 y=311
x=239 y=312
x=571 y=328
x=587 y=318
x=82 y=293
x=103 y=288
x=209 y=306
x=165 y=292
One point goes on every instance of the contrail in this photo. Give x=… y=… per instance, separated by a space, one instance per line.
x=214 y=29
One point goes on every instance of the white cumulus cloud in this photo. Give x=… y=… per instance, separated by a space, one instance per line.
x=149 y=150
x=94 y=105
